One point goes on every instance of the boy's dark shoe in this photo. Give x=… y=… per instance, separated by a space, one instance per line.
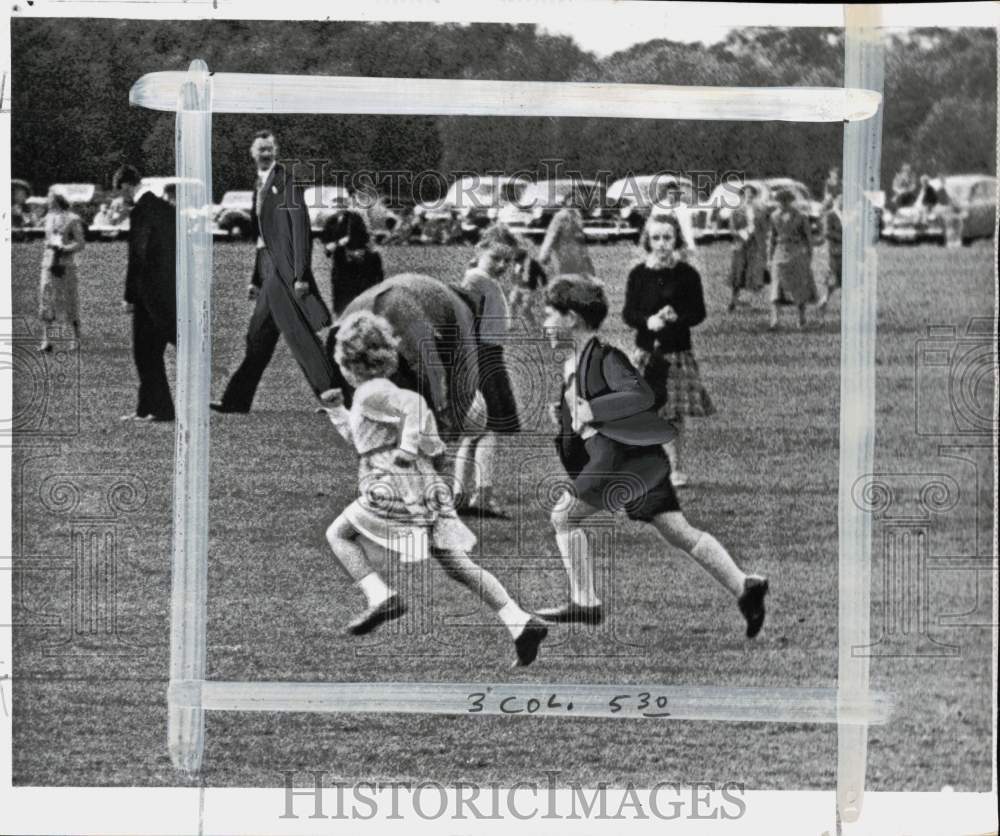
x=751 y=604
x=526 y=644
x=390 y=609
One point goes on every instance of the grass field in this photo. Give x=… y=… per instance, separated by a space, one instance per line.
x=91 y=710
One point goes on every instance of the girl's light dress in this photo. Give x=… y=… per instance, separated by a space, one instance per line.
x=406 y=509
x=58 y=297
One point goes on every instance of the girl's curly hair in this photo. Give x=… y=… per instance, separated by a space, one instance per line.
x=366 y=346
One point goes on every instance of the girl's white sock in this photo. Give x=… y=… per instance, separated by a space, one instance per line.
x=374 y=589
x=514 y=617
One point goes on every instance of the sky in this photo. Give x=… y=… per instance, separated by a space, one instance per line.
x=594 y=35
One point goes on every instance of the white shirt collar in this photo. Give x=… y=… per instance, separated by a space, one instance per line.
x=263 y=175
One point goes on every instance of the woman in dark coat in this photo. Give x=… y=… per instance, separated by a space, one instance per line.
x=355 y=266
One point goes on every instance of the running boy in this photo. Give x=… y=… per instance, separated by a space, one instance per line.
x=611 y=435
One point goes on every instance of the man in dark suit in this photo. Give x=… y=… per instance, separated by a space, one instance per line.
x=150 y=292
x=288 y=301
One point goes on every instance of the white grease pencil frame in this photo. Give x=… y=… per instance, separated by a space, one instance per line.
x=196 y=94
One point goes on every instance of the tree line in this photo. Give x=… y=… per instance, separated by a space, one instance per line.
x=71 y=120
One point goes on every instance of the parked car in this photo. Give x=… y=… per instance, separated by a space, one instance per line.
x=111 y=221
x=713 y=216
x=324 y=201
x=232 y=215
x=531 y=213
x=972 y=195
x=84 y=199
x=637 y=196
x=469 y=206
x=20 y=191
x=33 y=213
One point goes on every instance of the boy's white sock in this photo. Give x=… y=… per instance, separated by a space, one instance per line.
x=712 y=556
x=574 y=549
x=374 y=589
x=514 y=617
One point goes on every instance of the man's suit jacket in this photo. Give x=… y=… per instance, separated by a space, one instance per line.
x=283 y=222
x=150 y=279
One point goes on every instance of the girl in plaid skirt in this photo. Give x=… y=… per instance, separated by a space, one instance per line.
x=663 y=302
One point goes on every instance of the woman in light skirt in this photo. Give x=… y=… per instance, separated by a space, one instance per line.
x=58 y=296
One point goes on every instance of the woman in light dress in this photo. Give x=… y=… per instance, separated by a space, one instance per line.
x=58 y=297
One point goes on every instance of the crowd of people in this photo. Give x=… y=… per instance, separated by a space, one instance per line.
x=620 y=416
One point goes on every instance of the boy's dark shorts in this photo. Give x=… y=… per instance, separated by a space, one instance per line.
x=619 y=477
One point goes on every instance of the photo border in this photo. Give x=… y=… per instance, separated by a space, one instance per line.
x=856 y=668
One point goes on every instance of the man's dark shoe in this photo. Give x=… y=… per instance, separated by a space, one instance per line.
x=390 y=609
x=526 y=644
x=751 y=604
x=573 y=613
x=219 y=406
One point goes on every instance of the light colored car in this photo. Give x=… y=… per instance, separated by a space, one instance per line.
x=470 y=204
x=531 y=213
x=324 y=201
x=712 y=217
x=972 y=202
x=232 y=215
x=637 y=195
x=112 y=218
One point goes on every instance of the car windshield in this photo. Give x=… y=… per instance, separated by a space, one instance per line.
x=237 y=199
x=959 y=190
x=322 y=197
x=477 y=193
x=551 y=192
x=75 y=192
x=643 y=191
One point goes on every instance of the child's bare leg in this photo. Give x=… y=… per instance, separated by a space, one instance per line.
x=527 y=632
x=674 y=450
x=774 y=316
x=464 y=466
x=485 y=457
x=711 y=555
x=383 y=603
x=702 y=547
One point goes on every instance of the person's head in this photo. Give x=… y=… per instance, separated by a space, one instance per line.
x=573 y=305
x=496 y=249
x=126 y=181
x=785 y=198
x=170 y=193
x=661 y=237
x=924 y=179
x=264 y=150
x=366 y=348
x=749 y=192
x=57 y=201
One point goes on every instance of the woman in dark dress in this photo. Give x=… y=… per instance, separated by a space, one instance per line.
x=663 y=302
x=355 y=266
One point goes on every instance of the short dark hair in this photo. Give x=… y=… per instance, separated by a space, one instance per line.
x=582 y=295
x=60 y=200
x=264 y=134
x=126 y=175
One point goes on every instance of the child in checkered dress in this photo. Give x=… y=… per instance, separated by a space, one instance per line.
x=663 y=302
x=404 y=506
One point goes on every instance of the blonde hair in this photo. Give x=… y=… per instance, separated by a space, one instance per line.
x=366 y=346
